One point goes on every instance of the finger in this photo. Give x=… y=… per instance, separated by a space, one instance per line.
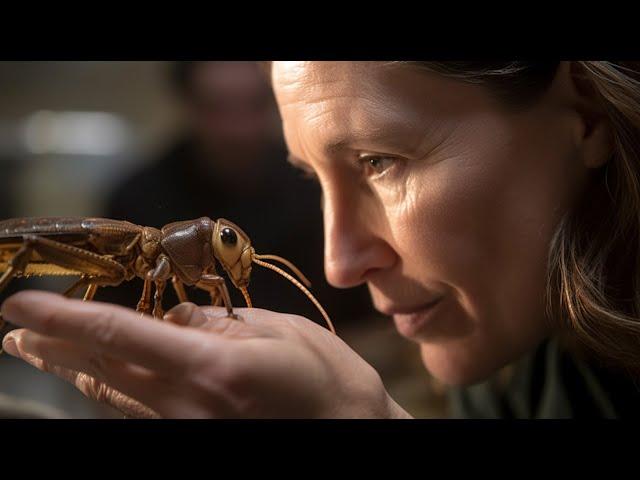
x=256 y=316
x=104 y=327
x=218 y=322
x=186 y=314
x=213 y=319
x=52 y=353
x=266 y=321
x=95 y=389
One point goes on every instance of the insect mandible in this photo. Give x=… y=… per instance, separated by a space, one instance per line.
x=105 y=252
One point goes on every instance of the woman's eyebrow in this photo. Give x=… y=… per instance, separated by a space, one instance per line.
x=377 y=137
x=387 y=137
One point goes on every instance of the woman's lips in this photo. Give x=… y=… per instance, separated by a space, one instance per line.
x=411 y=324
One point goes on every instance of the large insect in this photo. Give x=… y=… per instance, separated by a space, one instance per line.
x=104 y=252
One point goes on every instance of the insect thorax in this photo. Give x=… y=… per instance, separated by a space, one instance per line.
x=189 y=248
x=149 y=249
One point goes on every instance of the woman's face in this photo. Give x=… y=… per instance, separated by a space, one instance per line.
x=438 y=198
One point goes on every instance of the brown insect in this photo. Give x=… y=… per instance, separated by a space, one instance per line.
x=104 y=252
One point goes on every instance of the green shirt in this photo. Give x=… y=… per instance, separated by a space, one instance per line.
x=551 y=383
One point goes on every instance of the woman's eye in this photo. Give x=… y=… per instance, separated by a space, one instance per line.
x=376 y=164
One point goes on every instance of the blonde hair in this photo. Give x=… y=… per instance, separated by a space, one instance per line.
x=593 y=284
x=594 y=262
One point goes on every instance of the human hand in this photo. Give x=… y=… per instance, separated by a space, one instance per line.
x=198 y=363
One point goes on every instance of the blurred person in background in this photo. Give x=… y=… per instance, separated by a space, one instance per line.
x=229 y=162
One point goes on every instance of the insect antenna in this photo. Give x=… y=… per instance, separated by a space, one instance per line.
x=295 y=269
x=299 y=285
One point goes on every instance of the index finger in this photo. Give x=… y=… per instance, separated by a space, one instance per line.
x=110 y=329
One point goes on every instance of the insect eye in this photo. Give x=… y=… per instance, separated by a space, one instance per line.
x=228 y=236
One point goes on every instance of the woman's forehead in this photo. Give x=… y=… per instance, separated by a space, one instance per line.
x=336 y=103
x=320 y=100
x=305 y=72
x=311 y=82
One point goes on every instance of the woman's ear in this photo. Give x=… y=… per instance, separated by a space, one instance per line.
x=595 y=135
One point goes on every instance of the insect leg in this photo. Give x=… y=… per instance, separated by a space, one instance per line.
x=178 y=286
x=91 y=292
x=17 y=265
x=144 y=305
x=132 y=244
x=157 y=299
x=215 y=285
x=84 y=280
x=159 y=276
x=100 y=269
x=216 y=298
x=162 y=272
x=92 y=284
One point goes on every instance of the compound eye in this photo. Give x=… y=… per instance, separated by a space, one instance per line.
x=228 y=236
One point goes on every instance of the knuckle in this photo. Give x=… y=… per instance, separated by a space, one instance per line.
x=86 y=384
x=103 y=329
x=233 y=377
x=40 y=364
x=45 y=367
x=50 y=323
x=93 y=388
x=224 y=369
x=97 y=366
x=102 y=392
x=225 y=379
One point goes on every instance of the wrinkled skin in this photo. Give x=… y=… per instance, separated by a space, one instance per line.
x=459 y=204
x=198 y=363
x=433 y=193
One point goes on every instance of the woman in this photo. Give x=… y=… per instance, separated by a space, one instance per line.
x=492 y=209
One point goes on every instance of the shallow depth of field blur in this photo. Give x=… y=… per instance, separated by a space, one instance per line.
x=72 y=132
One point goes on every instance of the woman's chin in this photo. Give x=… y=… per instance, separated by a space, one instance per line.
x=455 y=366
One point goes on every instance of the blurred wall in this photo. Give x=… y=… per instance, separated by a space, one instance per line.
x=45 y=157
x=69 y=131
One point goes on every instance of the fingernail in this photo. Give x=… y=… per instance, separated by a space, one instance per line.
x=9 y=345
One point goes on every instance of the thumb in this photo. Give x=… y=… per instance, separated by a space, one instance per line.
x=190 y=315
x=186 y=314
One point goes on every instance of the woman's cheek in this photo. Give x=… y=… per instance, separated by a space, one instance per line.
x=454 y=211
x=442 y=227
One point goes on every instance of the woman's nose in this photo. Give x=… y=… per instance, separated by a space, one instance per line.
x=353 y=250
